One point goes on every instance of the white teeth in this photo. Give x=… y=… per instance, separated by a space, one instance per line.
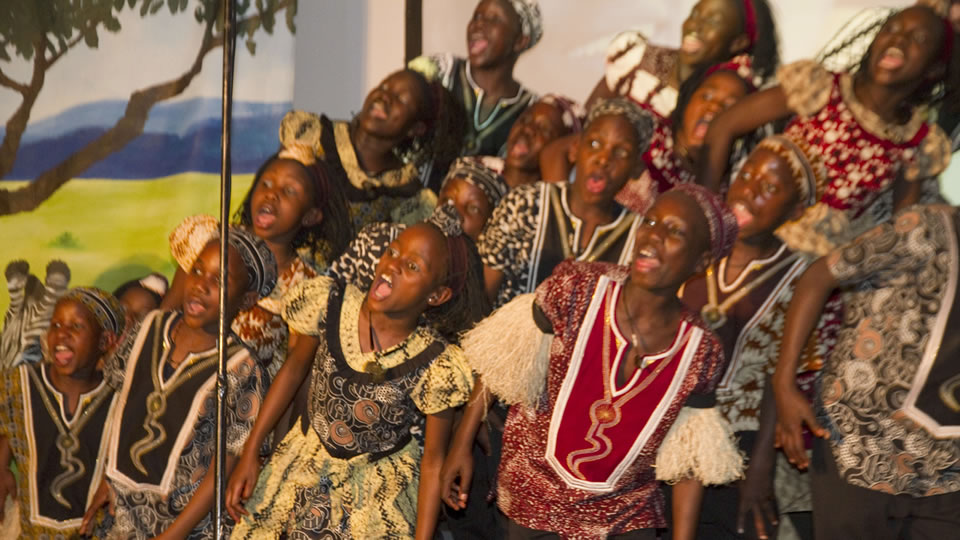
x=387 y=279
x=647 y=252
x=60 y=348
x=893 y=51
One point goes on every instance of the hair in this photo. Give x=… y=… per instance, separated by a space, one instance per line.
x=766 y=49
x=332 y=235
x=135 y=284
x=468 y=306
x=943 y=89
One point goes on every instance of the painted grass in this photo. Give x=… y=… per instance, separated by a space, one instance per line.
x=109 y=231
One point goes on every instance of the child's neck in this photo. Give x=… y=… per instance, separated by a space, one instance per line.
x=380 y=331
x=282 y=249
x=518 y=177
x=375 y=154
x=73 y=386
x=885 y=101
x=598 y=213
x=187 y=339
x=496 y=81
x=747 y=250
x=651 y=305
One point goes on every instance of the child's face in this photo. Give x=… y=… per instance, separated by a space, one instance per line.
x=410 y=272
x=764 y=195
x=137 y=302
x=709 y=32
x=74 y=339
x=607 y=156
x=492 y=33
x=394 y=108
x=672 y=243
x=282 y=201
x=470 y=202
x=718 y=93
x=906 y=47
x=537 y=126
x=201 y=300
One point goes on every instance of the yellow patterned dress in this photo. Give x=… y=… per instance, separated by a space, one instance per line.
x=355 y=472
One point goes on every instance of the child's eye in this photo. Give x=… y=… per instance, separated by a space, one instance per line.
x=392 y=251
x=622 y=153
x=413 y=267
x=675 y=231
x=769 y=188
x=594 y=143
x=290 y=191
x=473 y=209
x=267 y=183
x=648 y=222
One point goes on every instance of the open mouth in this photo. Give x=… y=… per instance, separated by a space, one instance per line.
x=62 y=355
x=265 y=217
x=382 y=287
x=691 y=44
x=892 y=58
x=743 y=214
x=194 y=307
x=477 y=44
x=378 y=109
x=647 y=259
x=702 y=125
x=520 y=148
x=596 y=183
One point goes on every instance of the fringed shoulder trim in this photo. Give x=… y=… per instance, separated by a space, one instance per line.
x=305 y=305
x=700 y=445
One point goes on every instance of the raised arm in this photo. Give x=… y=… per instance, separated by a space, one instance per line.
x=556 y=159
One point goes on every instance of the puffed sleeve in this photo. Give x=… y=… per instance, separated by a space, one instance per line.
x=931 y=158
x=302 y=127
x=807 y=86
x=305 y=305
x=190 y=237
x=445 y=384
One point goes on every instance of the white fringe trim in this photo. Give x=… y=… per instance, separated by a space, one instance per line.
x=510 y=352
x=699 y=445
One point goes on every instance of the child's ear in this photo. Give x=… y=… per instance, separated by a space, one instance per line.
x=107 y=341
x=248 y=300
x=739 y=44
x=312 y=217
x=638 y=167
x=704 y=262
x=572 y=149
x=520 y=44
x=440 y=296
x=418 y=130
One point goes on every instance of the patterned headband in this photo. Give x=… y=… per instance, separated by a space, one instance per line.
x=301 y=153
x=531 y=21
x=641 y=119
x=104 y=306
x=806 y=166
x=570 y=111
x=257 y=258
x=720 y=219
x=486 y=173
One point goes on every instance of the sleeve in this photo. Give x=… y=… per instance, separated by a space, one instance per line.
x=624 y=55
x=891 y=249
x=115 y=365
x=190 y=237
x=713 y=362
x=245 y=394
x=807 y=86
x=358 y=263
x=305 y=304
x=567 y=286
x=445 y=384
x=931 y=158
x=506 y=241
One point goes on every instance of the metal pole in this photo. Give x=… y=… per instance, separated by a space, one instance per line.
x=229 y=48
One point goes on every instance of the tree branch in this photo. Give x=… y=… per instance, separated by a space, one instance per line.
x=18 y=87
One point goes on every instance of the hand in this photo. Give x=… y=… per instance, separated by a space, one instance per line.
x=8 y=486
x=458 y=464
x=241 y=484
x=756 y=497
x=103 y=497
x=793 y=411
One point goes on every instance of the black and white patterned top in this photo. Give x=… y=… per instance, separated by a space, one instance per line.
x=358 y=264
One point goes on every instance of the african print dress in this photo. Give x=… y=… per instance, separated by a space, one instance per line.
x=165 y=425
x=570 y=464
x=59 y=458
x=532 y=230
x=358 y=264
x=355 y=472
x=863 y=156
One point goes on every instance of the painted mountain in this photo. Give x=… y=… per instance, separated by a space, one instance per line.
x=178 y=137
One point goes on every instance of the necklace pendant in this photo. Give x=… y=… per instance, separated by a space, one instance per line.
x=713 y=316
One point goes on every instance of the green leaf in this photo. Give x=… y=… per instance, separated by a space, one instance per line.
x=112 y=24
x=130 y=3
x=252 y=47
x=91 y=38
x=118 y=4
x=156 y=7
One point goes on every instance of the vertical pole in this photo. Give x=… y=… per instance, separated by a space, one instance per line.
x=229 y=48
x=412 y=30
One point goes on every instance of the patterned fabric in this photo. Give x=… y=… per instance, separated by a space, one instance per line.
x=664 y=169
x=52 y=498
x=892 y=329
x=806 y=166
x=486 y=173
x=722 y=222
x=863 y=153
x=182 y=432
x=571 y=112
x=104 y=306
x=31 y=308
x=356 y=472
x=530 y=491
x=641 y=120
x=531 y=22
x=358 y=264
x=257 y=258
x=517 y=242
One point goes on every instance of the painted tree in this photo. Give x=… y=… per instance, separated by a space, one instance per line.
x=43 y=31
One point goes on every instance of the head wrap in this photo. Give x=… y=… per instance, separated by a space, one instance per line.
x=300 y=129
x=155 y=283
x=104 y=306
x=257 y=258
x=720 y=219
x=486 y=173
x=446 y=218
x=570 y=111
x=531 y=22
x=806 y=165
x=641 y=119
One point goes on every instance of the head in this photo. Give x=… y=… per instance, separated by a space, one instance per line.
x=292 y=201
x=703 y=96
x=686 y=228
x=549 y=118
x=85 y=326
x=141 y=296
x=716 y=30
x=500 y=30
x=251 y=275
x=474 y=186
x=608 y=152
x=914 y=50
x=401 y=107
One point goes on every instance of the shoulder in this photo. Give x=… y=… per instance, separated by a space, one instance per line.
x=931 y=157
x=627 y=43
x=572 y=280
x=305 y=304
x=807 y=86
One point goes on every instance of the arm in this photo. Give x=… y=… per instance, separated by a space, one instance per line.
x=905 y=192
x=199 y=506
x=459 y=461
x=600 y=91
x=756 y=490
x=687 y=496
x=174 y=297
x=492 y=279
x=813 y=289
x=428 y=497
x=284 y=387
x=8 y=484
x=555 y=163
x=746 y=115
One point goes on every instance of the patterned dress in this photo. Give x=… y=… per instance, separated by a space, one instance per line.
x=355 y=472
x=358 y=264
x=59 y=458
x=532 y=230
x=863 y=156
x=569 y=464
x=163 y=440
